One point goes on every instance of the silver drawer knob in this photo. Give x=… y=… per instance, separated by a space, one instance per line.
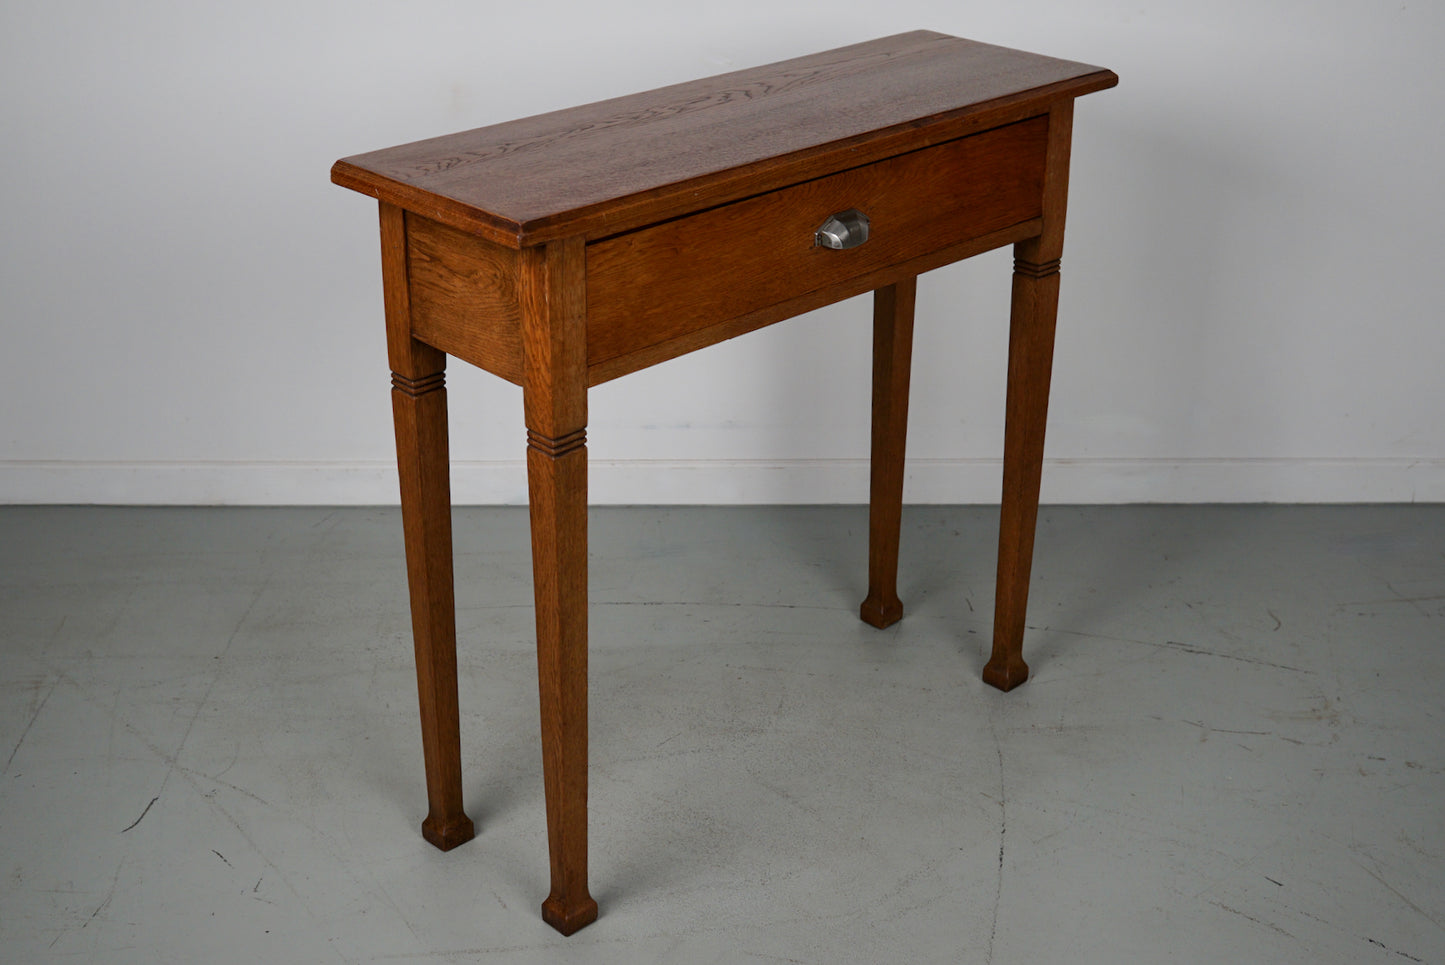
x=846 y=229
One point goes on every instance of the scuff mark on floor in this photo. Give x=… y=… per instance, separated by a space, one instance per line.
x=1002 y=831
x=142 y=815
x=30 y=723
x=1395 y=951
x=190 y=777
x=1258 y=921
x=709 y=603
x=1398 y=894
x=1221 y=730
x=1174 y=645
x=1203 y=652
x=104 y=904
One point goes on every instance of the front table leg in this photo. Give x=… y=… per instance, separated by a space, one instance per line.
x=419 y=409
x=1030 y=361
x=1033 y=313
x=555 y=398
x=557 y=486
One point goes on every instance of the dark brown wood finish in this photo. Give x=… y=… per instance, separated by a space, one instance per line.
x=554 y=345
x=712 y=334
x=665 y=281
x=564 y=250
x=464 y=297
x=1033 y=315
x=892 y=359
x=619 y=164
x=419 y=409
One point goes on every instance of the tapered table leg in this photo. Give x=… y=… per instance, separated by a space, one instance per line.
x=420 y=410
x=1031 y=352
x=557 y=485
x=892 y=351
x=1033 y=314
x=554 y=393
x=419 y=407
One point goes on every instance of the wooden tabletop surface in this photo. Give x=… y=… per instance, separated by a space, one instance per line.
x=617 y=164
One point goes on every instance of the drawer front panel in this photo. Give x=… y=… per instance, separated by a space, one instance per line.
x=670 y=279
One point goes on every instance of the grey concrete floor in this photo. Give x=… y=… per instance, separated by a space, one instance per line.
x=1230 y=750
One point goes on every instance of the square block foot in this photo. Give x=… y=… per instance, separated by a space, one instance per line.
x=447 y=836
x=566 y=921
x=881 y=614
x=1005 y=675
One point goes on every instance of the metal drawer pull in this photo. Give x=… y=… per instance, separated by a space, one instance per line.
x=846 y=229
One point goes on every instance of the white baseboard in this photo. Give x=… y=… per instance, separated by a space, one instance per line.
x=643 y=482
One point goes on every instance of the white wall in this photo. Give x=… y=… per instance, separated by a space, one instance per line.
x=190 y=312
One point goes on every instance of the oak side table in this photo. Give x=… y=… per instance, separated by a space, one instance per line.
x=564 y=250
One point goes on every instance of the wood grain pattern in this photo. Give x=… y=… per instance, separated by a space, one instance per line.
x=554 y=394
x=464 y=299
x=892 y=360
x=675 y=219
x=407 y=356
x=662 y=282
x=1032 y=321
x=419 y=410
x=618 y=164
x=741 y=325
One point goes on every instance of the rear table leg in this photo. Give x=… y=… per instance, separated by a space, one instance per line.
x=892 y=351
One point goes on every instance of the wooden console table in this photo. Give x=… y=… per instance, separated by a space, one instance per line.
x=567 y=249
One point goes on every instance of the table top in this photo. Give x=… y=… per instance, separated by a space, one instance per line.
x=617 y=164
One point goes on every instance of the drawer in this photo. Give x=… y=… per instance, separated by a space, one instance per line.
x=668 y=280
